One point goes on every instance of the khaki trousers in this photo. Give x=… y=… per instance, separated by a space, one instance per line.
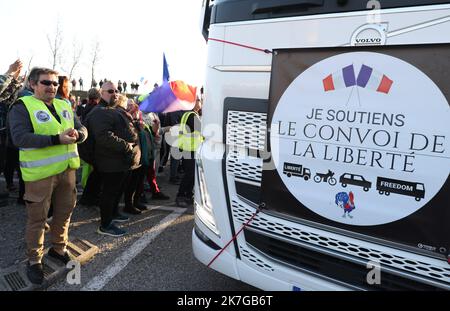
x=60 y=190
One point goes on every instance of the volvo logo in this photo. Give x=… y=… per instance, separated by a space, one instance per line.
x=369 y=34
x=368 y=40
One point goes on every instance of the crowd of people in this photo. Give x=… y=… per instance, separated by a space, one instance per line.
x=121 y=86
x=50 y=138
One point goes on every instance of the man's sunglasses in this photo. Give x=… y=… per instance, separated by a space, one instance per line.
x=112 y=91
x=48 y=83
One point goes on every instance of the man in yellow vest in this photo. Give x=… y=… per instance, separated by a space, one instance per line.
x=46 y=132
x=189 y=139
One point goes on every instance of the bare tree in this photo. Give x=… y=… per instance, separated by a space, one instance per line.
x=29 y=64
x=77 y=51
x=55 y=42
x=30 y=61
x=95 y=57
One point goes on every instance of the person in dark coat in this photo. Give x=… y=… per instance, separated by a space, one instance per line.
x=92 y=189
x=116 y=153
x=132 y=189
x=10 y=84
x=94 y=98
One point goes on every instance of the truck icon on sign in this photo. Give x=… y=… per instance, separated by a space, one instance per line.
x=292 y=169
x=387 y=186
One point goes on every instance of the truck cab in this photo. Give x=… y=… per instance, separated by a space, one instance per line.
x=346 y=86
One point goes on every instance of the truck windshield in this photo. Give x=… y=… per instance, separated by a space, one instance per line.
x=225 y=11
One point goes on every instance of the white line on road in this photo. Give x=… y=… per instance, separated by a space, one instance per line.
x=98 y=282
x=162 y=208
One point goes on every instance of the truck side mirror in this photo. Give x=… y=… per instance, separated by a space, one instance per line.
x=206 y=17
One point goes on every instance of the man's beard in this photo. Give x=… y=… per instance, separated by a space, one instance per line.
x=48 y=97
x=112 y=102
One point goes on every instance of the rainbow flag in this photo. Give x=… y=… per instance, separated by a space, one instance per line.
x=169 y=97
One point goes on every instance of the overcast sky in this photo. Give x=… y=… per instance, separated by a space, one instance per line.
x=133 y=34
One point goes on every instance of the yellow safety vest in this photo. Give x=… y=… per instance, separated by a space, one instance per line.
x=40 y=163
x=188 y=141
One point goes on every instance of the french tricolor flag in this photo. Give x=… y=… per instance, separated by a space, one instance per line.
x=374 y=80
x=340 y=79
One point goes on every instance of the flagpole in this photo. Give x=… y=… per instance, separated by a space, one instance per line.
x=359 y=98
x=350 y=97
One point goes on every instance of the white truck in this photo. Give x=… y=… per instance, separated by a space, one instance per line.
x=359 y=88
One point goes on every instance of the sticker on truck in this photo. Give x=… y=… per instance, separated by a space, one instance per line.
x=373 y=121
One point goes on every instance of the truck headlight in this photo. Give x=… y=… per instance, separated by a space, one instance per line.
x=203 y=207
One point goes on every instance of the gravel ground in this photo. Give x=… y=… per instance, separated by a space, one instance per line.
x=167 y=263
x=84 y=222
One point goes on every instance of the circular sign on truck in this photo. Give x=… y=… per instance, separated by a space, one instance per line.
x=362 y=138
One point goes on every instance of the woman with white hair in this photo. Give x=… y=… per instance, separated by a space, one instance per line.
x=155 y=132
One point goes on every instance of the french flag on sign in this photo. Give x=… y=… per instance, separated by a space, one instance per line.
x=374 y=80
x=340 y=79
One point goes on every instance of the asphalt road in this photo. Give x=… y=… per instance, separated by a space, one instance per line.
x=155 y=255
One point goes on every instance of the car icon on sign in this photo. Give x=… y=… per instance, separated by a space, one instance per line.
x=354 y=179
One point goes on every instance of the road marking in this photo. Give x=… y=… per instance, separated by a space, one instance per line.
x=162 y=208
x=98 y=282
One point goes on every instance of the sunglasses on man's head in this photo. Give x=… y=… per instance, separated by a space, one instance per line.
x=48 y=83
x=112 y=91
